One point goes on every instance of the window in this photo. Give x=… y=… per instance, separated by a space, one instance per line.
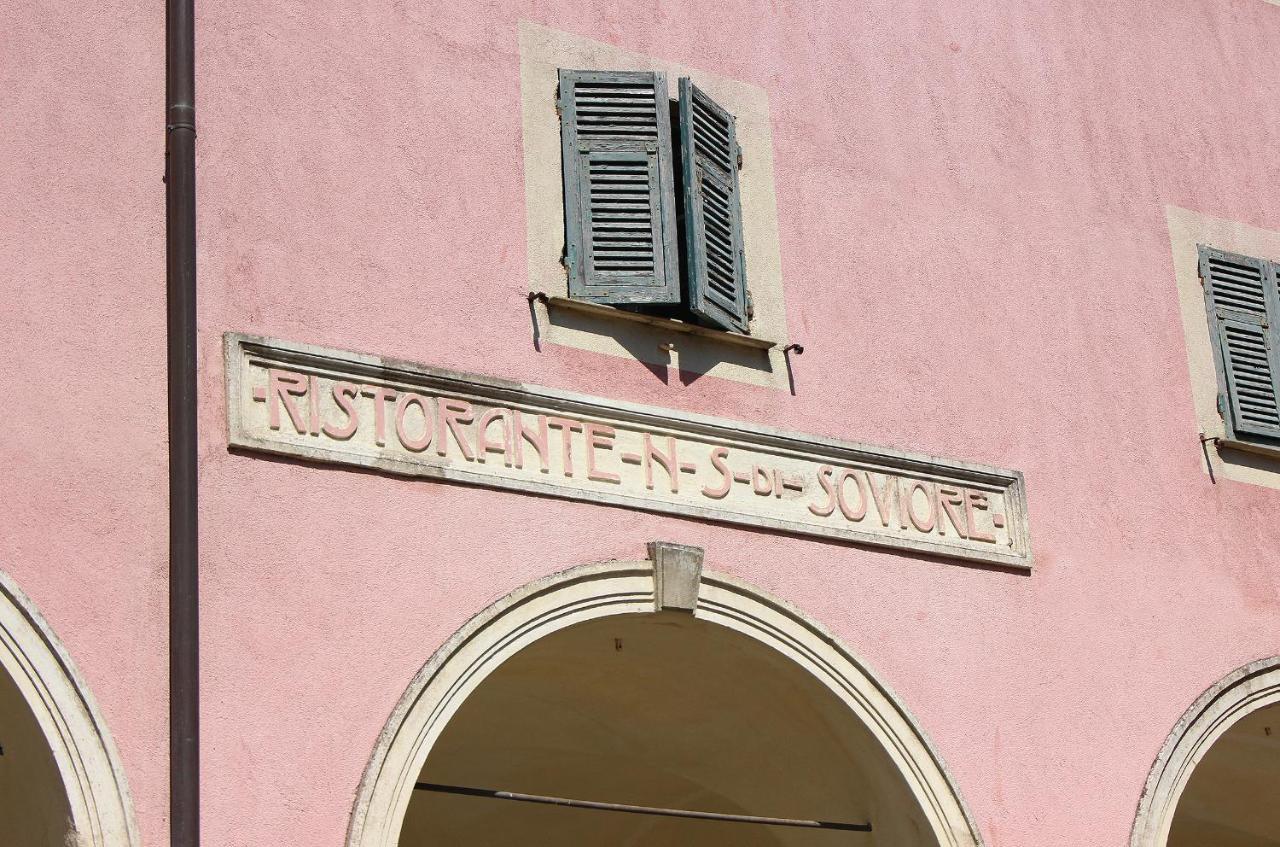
x=653 y=216
x=1243 y=303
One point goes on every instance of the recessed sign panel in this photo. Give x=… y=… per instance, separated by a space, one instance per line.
x=346 y=408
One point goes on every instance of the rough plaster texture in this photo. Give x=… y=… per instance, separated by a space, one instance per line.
x=971 y=208
x=82 y=454
x=971 y=203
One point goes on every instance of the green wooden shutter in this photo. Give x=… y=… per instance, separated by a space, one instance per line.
x=619 y=197
x=1241 y=295
x=714 y=260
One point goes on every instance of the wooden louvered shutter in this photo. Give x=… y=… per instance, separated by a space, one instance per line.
x=619 y=197
x=715 y=264
x=1243 y=305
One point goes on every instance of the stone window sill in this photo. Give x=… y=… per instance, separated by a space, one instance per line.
x=1260 y=449
x=669 y=324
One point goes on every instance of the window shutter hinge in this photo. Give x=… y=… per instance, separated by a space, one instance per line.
x=739 y=158
x=751 y=307
x=1222 y=412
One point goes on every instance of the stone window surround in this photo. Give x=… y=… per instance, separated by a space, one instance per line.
x=757 y=360
x=1236 y=461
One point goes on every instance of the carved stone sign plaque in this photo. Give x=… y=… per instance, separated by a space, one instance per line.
x=346 y=408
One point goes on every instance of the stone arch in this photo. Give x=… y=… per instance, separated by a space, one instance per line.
x=619 y=588
x=1242 y=692
x=98 y=807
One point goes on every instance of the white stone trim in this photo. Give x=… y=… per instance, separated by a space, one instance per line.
x=793 y=459
x=86 y=758
x=615 y=588
x=1246 y=690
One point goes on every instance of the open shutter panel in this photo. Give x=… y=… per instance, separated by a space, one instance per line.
x=1242 y=299
x=615 y=131
x=712 y=211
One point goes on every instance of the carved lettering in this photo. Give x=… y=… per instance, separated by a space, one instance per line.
x=824 y=480
x=760 y=482
x=920 y=523
x=599 y=437
x=667 y=460
x=453 y=414
x=484 y=446
x=884 y=496
x=949 y=497
x=851 y=514
x=718 y=455
x=282 y=387
x=344 y=394
x=414 y=445
x=536 y=438
x=566 y=427
x=380 y=396
x=976 y=500
x=332 y=407
x=313 y=404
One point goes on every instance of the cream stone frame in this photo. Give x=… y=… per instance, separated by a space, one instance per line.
x=619 y=588
x=86 y=758
x=542 y=52
x=1246 y=690
x=1188 y=230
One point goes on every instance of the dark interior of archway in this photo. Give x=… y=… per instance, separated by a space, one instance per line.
x=658 y=710
x=1233 y=797
x=33 y=803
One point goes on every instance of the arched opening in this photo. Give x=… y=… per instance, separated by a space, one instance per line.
x=663 y=711
x=1231 y=798
x=33 y=801
x=582 y=686
x=1217 y=777
x=61 y=784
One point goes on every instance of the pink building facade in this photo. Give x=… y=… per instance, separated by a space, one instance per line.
x=979 y=244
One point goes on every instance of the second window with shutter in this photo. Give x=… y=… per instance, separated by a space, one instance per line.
x=1242 y=298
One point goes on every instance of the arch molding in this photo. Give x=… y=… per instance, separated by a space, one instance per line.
x=616 y=588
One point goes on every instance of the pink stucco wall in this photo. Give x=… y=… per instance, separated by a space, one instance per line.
x=971 y=204
x=83 y=453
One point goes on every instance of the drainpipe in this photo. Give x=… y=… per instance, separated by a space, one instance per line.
x=180 y=250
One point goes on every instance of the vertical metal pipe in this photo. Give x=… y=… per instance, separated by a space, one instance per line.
x=180 y=218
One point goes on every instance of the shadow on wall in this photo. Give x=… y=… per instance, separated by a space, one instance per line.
x=659 y=351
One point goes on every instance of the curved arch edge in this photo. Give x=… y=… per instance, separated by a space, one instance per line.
x=1244 y=690
x=628 y=587
x=58 y=696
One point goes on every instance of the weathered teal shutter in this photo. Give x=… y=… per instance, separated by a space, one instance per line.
x=714 y=260
x=619 y=197
x=1243 y=304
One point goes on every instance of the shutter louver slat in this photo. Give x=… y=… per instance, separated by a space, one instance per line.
x=1242 y=298
x=712 y=211
x=619 y=194
x=1250 y=376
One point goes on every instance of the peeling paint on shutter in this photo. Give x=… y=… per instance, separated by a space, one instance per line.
x=615 y=131
x=1243 y=302
x=716 y=266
